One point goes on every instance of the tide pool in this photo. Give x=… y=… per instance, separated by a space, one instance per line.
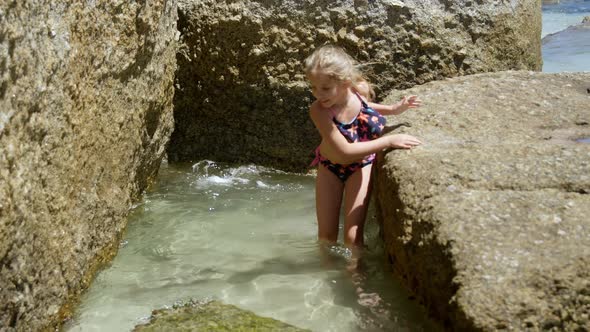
x=246 y=236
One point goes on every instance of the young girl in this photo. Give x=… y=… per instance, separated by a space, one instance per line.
x=351 y=129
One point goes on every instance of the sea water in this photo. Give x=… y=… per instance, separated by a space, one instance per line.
x=565 y=43
x=244 y=235
x=559 y=16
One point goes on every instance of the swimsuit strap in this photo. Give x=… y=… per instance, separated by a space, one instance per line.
x=365 y=105
x=332 y=112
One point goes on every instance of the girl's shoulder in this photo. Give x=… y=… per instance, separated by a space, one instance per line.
x=316 y=108
x=317 y=112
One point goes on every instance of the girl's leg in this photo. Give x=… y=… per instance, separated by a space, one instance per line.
x=356 y=202
x=328 y=199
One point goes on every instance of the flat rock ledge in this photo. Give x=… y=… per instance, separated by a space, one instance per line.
x=211 y=316
x=488 y=221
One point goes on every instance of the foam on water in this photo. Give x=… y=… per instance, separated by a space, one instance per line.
x=210 y=174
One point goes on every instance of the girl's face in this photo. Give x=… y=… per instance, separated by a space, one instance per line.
x=326 y=90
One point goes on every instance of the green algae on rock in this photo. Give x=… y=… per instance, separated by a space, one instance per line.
x=211 y=316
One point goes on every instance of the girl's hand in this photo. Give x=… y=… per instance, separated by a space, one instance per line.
x=403 y=141
x=408 y=102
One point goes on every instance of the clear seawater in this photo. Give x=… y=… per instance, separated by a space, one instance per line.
x=246 y=236
x=566 y=48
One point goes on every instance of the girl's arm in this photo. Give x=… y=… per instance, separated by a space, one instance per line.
x=339 y=150
x=398 y=108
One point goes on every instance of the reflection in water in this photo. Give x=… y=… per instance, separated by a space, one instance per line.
x=246 y=236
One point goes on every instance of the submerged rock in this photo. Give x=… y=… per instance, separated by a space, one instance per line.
x=85 y=114
x=241 y=93
x=211 y=316
x=487 y=222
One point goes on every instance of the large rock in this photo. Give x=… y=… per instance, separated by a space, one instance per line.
x=241 y=92
x=487 y=222
x=86 y=93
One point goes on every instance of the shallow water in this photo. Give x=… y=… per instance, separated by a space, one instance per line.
x=246 y=236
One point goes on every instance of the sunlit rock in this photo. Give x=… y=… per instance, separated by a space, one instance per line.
x=487 y=222
x=85 y=114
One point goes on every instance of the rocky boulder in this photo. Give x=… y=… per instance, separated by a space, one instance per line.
x=211 y=316
x=487 y=222
x=241 y=94
x=85 y=114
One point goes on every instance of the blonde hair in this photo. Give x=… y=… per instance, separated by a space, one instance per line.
x=365 y=89
x=334 y=62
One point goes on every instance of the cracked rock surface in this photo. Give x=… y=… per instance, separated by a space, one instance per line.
x=488 y=221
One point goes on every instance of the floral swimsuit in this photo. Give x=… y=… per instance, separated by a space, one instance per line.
x=366 y=126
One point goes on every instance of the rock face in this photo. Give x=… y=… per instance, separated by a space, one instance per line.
x=211 y=316
x=241 y=92
x=487 y=222
x=86 y=94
